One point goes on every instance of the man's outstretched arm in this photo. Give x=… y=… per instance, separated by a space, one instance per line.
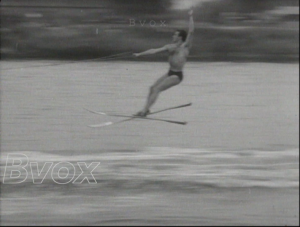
x=189 y=39
x=152 y=51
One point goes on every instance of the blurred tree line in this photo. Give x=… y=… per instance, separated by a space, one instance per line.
x=225 y=29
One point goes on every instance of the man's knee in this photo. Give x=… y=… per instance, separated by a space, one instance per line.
x=154 y=89
x=151 y=88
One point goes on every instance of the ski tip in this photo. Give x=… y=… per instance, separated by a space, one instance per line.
x=101 y=125
x=96 y=112
x=101 y=113
x=182 y=123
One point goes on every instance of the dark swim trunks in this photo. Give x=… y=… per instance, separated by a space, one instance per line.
x=179 y=74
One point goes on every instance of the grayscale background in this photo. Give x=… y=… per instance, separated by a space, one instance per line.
x=236 y=162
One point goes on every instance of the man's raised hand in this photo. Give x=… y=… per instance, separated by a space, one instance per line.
x=191 y=11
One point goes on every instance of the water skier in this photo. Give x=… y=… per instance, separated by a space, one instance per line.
x=178 y=52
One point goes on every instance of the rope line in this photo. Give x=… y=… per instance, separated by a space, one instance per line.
x=106 y=58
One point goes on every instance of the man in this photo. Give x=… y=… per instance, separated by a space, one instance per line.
x=178 y=52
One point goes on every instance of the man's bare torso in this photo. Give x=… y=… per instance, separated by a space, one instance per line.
x=177 y=56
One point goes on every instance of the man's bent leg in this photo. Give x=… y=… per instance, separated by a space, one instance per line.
x=160 y=80
x=164 y=84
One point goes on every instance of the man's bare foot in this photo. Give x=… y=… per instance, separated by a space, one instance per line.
x=142 y=113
